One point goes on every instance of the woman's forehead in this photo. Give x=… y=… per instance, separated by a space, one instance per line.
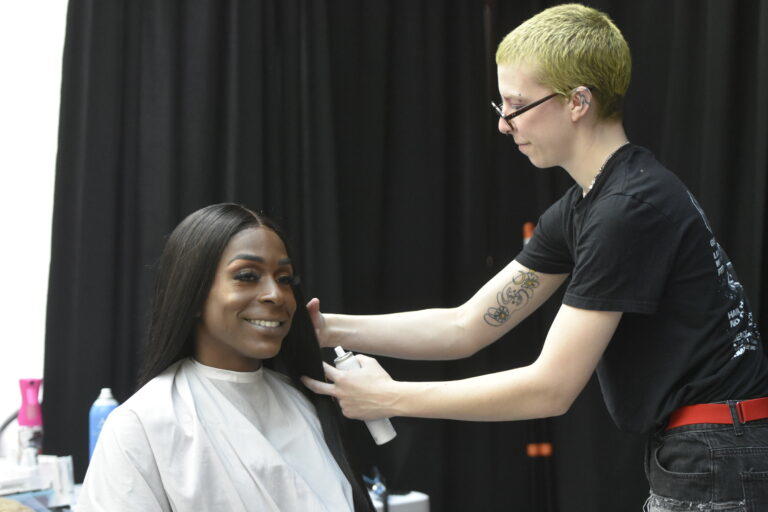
x=258 y=241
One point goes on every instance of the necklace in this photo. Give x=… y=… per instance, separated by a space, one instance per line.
x=592 y=184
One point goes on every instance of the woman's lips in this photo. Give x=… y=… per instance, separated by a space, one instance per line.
x=268 y=326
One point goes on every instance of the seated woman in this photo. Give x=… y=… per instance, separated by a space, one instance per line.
x=212 y=429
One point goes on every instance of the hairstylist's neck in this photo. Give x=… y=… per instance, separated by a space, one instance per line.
x=592 y=145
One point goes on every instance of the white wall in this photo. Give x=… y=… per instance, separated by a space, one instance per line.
x=31 y=45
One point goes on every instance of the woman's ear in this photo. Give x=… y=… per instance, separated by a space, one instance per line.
x=581 y=102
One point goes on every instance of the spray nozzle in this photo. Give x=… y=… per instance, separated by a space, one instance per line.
x=339 y=351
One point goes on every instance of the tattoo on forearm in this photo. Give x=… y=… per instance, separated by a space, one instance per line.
x=515 y=295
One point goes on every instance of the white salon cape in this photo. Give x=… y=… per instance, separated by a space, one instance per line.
x=198 y=438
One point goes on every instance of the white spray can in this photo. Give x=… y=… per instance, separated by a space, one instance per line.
x=381 y=429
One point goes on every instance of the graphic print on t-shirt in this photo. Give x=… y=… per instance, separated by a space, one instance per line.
x=742 y=328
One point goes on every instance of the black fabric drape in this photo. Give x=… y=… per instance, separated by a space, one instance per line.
x=365 y=128
x=167 y=107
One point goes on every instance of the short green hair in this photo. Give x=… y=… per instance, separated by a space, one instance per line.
x=571 y=45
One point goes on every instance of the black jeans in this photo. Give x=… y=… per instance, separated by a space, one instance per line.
x=708 y=467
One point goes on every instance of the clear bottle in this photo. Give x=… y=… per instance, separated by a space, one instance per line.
x=100 y=409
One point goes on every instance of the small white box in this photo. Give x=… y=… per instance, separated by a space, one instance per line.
x=414 y=501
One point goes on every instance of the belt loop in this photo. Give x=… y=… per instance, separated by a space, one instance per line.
x=738 y=429
x=740 y=410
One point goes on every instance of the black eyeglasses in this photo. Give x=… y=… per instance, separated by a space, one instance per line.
x=522 y=110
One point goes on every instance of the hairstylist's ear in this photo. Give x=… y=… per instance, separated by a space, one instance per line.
x=581 y=100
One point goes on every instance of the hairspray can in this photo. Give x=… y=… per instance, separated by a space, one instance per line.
x=381 y=429
x=100 y=409
x=30 y=422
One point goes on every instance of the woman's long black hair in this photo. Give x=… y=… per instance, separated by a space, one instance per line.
x=185 y=273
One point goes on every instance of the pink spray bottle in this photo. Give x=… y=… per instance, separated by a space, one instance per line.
x=30 y=422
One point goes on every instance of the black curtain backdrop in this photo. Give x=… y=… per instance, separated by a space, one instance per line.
x=364 y=127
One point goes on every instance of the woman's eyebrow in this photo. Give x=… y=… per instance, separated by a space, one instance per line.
x=258 y=259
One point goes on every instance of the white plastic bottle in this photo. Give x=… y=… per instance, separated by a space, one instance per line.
x=100 y=409
x=381 y=429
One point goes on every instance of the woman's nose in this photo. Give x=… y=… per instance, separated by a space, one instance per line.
x=272 y=292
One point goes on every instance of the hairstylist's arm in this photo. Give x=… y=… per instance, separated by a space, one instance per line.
x=453 y=333
x=548 y=387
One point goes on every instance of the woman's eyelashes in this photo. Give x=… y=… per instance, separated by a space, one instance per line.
x=253 y=276
x=247 y=275
x=288 y=279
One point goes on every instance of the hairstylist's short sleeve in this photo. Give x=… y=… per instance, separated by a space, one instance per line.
x=625 y=249
x=547 y=250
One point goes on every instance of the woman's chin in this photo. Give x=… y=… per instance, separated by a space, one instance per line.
x=262 y=350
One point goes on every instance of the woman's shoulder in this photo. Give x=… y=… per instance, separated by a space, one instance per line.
x=286 y=385
x=148 y=402
x=275 y=375
x=281 y=380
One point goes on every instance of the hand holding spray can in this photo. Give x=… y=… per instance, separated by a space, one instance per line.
x=382 y=429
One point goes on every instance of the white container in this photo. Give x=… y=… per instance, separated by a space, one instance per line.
x=382 y=429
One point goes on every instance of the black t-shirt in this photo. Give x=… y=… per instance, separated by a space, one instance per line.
x=640 y=243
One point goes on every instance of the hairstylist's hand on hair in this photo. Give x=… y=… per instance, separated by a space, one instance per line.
x=365 y=393
x=318 y=322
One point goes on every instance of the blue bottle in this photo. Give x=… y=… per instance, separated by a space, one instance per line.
x=100 y=409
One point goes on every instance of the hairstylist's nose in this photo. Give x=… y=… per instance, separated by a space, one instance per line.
x=504 y=127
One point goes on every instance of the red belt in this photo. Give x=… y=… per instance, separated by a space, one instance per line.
x=747 y=410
